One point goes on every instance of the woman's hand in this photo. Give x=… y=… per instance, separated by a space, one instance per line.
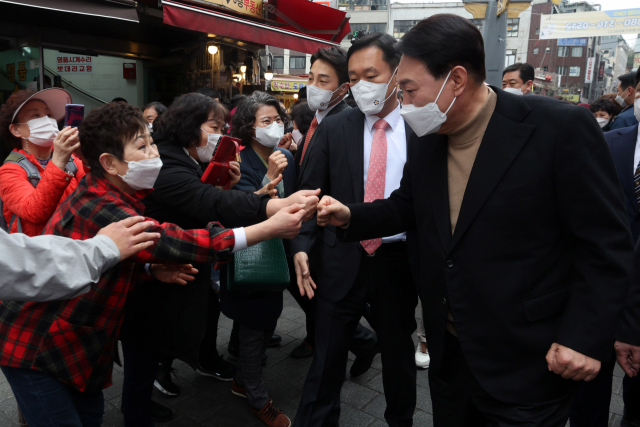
x=64 y=145
x=286 y=142
x=173 y=273
x=270 y=188
x=234 y=173
x=277 y=164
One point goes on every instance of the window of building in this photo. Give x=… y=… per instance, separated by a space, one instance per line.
x=400 y=28
x=537 y=31
x=511 y=57
x=363 y=4
x=574 y=71
x=535 y=50
x=278 y=62
x=512 y=27
x=576 y=51
x=545 y=68
x=562 y=70
x=563 y=51
x=297 y=62
x=605 y=52
x=478 y=23
x=372 y=28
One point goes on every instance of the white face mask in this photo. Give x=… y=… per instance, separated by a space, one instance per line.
x=42 y=131
x=150 y=125
x=319 y=99
x=636 y=109
x=142 y=174
x=514 y=90
x=428 y=119
x=297 y=136
x=620 y=100
x=206 y=153
x=370 y=97
x=270 y=136
x=602 y=121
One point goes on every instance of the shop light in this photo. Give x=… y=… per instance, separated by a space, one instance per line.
x=268 y=75
x=237 y=77
x=295 y=96
x=212 y=49
x=243 y=68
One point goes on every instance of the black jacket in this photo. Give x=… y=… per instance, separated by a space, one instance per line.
x=339 y=108
x=336 y=166
x=541 y=253
x=170 y=319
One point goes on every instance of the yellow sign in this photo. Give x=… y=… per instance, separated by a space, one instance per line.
x=590 y=24
x=248 y=7
x=287 y=85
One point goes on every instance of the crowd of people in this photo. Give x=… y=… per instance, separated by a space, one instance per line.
x=399 y=175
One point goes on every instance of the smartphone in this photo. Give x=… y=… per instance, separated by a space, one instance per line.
x=73 y=115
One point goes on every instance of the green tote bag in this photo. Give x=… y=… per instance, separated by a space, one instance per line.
x=261 y=267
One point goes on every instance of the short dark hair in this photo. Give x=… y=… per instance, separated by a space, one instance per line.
x=603 y=104
x=158 y=106
x=637 y=77
x=7 y=111
x=335 y=57
x=303 y=116
x=245 y=116
x=626 y=80
x=386 y=43
x=526 y=71
x=237 y=100
x=106 y=130
x=118 y=99
x=444 y=41
x=210 y=92
x=302 y=93
x=182 y=122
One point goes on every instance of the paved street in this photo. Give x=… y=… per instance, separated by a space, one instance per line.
x=206 y=401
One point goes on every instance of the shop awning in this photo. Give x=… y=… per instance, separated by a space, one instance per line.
x=214 y=22
x=311 y=18
x=116 y=9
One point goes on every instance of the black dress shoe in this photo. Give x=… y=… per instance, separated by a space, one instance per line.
x=302 y=351
x=275 y=340
x=160 y=413
x=363 y=363
x=629 y=420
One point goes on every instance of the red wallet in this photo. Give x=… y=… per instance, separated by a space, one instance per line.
x=227 y=150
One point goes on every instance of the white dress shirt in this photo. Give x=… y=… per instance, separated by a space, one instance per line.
x=321 y=114
x=636 y=155
x=396 y=155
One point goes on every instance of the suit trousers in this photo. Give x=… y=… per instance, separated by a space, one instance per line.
x=384 y=282
x=459 y=401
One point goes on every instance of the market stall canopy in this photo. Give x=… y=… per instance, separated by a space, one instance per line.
x=116 y=9
x=311 y=18
x=214 y=22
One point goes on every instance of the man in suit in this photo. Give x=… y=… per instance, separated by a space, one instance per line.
x=358 y=156
x=327 y=87
x=626 y=96
x=591 y=405
x=524 y=250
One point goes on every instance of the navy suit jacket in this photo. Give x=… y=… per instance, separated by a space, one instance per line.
x=253 y=172
x=622 y=143
x=625 y=119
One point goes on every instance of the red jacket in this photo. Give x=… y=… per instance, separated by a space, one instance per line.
x=34 y=206
x=75 y=340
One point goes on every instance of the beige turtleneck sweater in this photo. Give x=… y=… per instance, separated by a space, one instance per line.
x=464 y=143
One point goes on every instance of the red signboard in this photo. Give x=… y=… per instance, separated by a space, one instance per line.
x=601 y=71
x=129 y=70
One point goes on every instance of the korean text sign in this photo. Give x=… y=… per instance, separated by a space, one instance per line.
x=590 y=24
x=74 y=64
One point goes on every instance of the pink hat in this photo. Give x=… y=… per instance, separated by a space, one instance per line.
x=54 y=97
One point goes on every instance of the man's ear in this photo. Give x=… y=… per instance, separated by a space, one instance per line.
x=460 y=78
x=344 y=89
x=529 y=86
x=109 y=164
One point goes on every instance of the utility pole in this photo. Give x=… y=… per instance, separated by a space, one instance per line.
x=494 y=32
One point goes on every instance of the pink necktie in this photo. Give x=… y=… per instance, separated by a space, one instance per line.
x=376 y=176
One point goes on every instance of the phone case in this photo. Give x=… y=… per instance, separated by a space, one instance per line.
x=217 y=173
x=73 y=114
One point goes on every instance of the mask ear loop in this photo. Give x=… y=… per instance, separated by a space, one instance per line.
x=441 y=89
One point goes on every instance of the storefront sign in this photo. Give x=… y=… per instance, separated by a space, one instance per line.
x=601 y=71
x=572 y=42
x=636 y=61
x=588 y=75
x=22 y=71
x=590 y=24
x=74 y=64
x=286 y=86
x=248 y=7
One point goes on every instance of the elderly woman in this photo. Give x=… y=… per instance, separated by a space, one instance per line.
x=40 y=172
x=258 y=122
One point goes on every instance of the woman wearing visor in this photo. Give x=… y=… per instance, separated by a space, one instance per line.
x=40 y=172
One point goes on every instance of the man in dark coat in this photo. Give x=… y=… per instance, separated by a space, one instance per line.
x=524 y=248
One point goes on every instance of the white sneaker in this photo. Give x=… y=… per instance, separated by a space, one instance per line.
x=422 y=356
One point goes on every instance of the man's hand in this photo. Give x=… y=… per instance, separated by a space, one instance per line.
x=234 y=173
x=270 y=188
x=332 y=212
x=628 y=357
x=570 y=364
x=305 y=282
x=129 y=235
x=173 y=273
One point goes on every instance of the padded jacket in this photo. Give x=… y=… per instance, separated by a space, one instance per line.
x=34 y=206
